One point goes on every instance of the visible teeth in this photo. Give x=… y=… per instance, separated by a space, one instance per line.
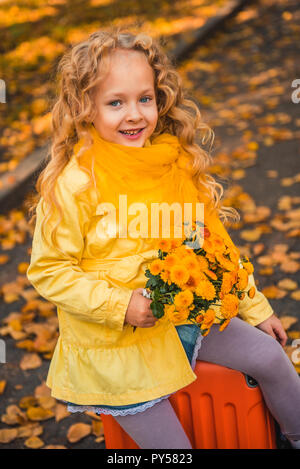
x=130 y=132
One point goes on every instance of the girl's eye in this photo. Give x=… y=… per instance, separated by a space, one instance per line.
x=146 y=97
x=118 y=100
x=114 y=102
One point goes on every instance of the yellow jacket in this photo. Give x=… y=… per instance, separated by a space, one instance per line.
x=98 y=359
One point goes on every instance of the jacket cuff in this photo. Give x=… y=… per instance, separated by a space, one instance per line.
x=117 y=308
x=256 y=310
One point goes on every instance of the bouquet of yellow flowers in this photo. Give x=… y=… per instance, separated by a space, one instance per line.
x=190 y=277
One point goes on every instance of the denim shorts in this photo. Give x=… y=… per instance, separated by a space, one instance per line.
x=188 y=334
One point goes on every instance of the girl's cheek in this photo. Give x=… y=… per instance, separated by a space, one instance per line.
x=112 y=118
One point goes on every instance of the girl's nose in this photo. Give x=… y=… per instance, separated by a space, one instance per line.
x=133 y=113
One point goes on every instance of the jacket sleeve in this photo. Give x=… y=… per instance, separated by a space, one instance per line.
x=58 y=277
x=252 y=310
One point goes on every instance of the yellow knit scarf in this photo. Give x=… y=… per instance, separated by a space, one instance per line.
x=157 y=173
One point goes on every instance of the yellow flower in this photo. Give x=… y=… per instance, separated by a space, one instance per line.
x=214 y=243
x=165 y=276
x=175 y=243
x=210 y=257
x=183 y=252
x=169 y=310
x=249 y=267
x=243 y=279
x=202 y=263
x=170 y=260
x=156 y=266
x=211 y=274
x=218 y=242
x=194 y=280
x=224 y=325
x=229 y=307
x=226 y=263
x=200 y=316
x=209 y=318
x=182 y=314
x=179 y=274
x=206 y=290
x=184 y=299
x=234 y=255
x=178 y=316
x=191 y=262
x=208 y=246
x=164 y=245
x=251 y=292
x=227 y=282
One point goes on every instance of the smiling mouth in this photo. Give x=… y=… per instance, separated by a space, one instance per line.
x=132 y=133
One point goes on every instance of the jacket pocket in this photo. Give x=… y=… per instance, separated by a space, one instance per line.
x=128 y=268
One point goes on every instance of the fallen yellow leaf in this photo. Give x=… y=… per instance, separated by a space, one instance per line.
x=42 y=390
x=97 y=427
x=61 y=412
x=2 y=386
x=38 y=413
x=271 y=292
x=4 y=258
x=14 y=415
x=30 y=361
x=55 y=447
x=27 y=401
x=34 y=442
x=78 y=431
x=47 y=402
x=287 y=284
x=251 y=235
x=8 y=434
x=294 y=334
x=30 y=429
x=296 y=295
x=288 y=321
x=290 y=266
x=22 y=267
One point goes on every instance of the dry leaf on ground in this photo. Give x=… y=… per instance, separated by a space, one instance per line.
x=34 y=442
x=78 y=431
x=30 y=361
x=296 y=295
x=38 y=413
x=55 y=447
x=2 y=386
x=288 y=321
x=8 y=434
x=287 y=284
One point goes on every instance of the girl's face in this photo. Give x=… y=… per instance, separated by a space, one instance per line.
x=125 y=99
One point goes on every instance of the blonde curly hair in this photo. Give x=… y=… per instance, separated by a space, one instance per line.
x=74 y=111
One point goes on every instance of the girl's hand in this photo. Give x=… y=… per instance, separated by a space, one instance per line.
x=139 y=312
x=273 y=326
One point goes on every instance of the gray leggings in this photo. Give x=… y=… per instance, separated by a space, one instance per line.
x=240 y=347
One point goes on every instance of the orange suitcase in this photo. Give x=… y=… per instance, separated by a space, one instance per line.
x=222 y=409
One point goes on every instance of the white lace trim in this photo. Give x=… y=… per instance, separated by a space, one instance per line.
x=102 y=410
x=133 y=410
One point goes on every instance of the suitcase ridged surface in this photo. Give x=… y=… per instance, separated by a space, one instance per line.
x=219 y=410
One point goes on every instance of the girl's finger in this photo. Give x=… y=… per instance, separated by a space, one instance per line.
x=271 y=333
x=281 y=335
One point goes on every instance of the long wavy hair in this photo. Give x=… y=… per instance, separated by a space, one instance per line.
x=79 y=71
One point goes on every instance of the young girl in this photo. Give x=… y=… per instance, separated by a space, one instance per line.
x=124 y=138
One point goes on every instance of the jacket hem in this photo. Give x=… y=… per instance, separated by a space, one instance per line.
x=124 y=399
